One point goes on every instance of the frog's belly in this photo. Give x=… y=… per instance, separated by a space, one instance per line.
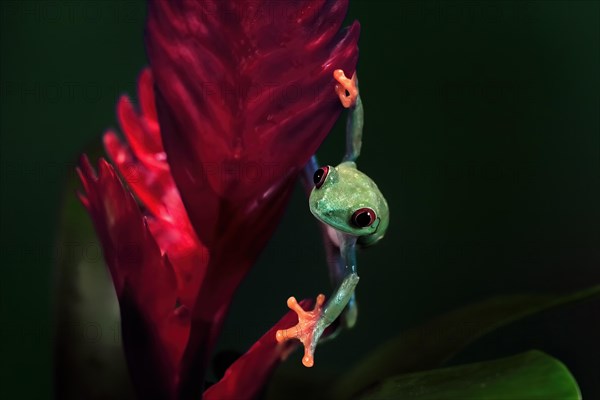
x=333 y=235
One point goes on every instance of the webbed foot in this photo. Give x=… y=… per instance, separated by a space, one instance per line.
x=346 y=89
x=306 y=328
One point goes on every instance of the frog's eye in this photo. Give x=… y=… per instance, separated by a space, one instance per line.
x=363 y=217
x=320 y=175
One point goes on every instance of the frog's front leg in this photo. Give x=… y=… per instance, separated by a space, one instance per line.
x=347 y=91
x=312 y=324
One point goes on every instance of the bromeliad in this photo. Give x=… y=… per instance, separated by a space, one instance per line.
x=236 y=92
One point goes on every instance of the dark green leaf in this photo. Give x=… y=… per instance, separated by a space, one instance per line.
x=527 y=376
x=435 y=342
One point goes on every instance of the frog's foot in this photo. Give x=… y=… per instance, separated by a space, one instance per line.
x=346 y=89
x=305 y=329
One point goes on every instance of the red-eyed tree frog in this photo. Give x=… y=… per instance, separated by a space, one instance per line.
x=352 y=212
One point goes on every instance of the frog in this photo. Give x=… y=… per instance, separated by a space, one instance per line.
x=352 y=213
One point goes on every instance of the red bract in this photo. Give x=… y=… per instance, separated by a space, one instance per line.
x=237 y=98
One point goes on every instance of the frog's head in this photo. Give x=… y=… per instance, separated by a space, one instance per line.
x=349 y=201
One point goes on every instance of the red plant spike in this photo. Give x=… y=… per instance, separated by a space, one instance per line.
x=236 y=100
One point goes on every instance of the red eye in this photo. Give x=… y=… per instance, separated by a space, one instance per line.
x=320 y=175
x=363 y=217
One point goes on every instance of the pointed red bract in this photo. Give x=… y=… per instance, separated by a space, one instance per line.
x=144 y=279
x=142 y=164
x=245 y=95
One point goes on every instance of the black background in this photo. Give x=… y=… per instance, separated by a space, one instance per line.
x=482 y=130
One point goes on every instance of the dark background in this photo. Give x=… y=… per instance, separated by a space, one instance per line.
x=482 y=130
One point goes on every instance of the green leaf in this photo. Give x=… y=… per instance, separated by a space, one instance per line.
x=527 y=376
x=435 y=342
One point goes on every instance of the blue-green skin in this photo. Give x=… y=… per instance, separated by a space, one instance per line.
x=345 y=190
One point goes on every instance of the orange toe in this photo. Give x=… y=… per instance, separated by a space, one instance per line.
x=308 y=361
